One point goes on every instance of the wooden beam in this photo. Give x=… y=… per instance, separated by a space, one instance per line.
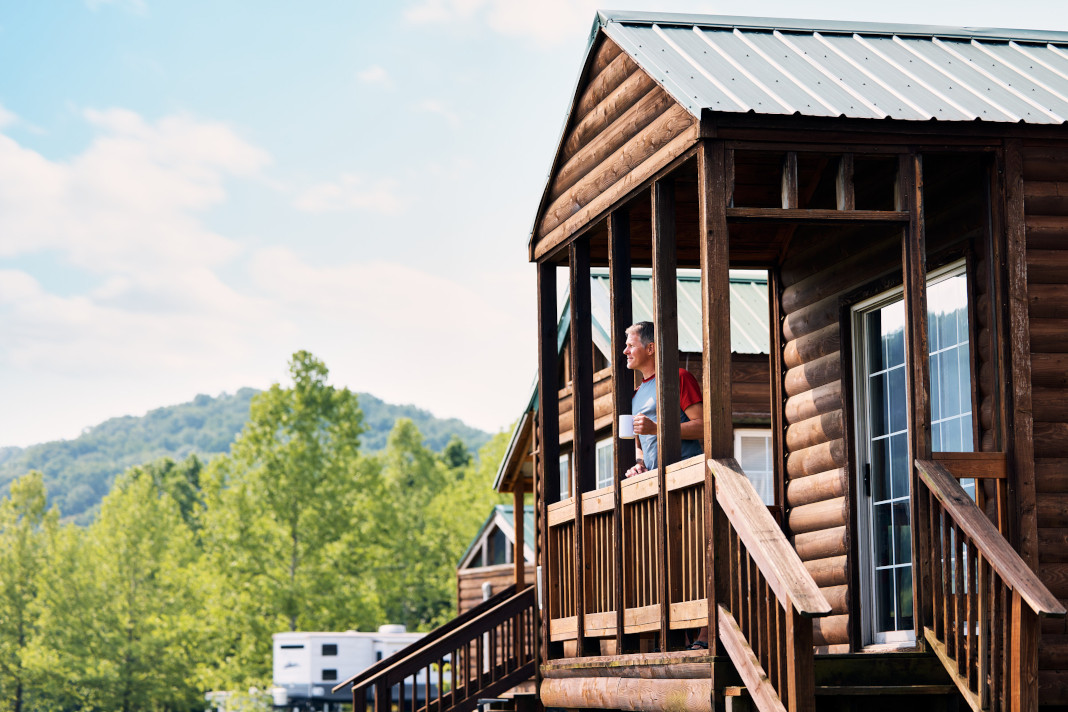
x=914 y=268
x=789 y=181
x=548 y=428
x=845 y=197
x=715 y=177
x=1020 y=416
x=815 y=216
x=583 y=455
x=621 y=314
x=668 y=413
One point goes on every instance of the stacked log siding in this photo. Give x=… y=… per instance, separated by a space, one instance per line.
x=623 y=129
x=1045 y=172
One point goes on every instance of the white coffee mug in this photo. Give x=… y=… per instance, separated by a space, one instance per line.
x=626 y=427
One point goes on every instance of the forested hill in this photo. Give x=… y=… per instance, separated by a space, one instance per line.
x=79 y=472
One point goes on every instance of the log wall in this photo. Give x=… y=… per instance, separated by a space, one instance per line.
x=1045 y=173
x=824 y=272
x=469 y=583
x=623 y=128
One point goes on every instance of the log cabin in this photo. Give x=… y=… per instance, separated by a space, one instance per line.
x=906 y=189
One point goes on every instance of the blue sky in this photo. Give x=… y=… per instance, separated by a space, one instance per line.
x=190 y=191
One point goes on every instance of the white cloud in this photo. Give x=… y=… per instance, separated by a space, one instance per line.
x=129 y=201
x=433 y=106
x=546 y=21
x=350 y=192
x=375 y=75
x=6 y=117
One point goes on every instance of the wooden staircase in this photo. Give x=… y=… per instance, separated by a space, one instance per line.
x=478 y=655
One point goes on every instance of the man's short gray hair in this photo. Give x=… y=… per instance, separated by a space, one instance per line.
x=644 y=330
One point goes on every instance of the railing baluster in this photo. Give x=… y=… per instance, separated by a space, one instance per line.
x=937 y=574
x=958 y=587
x=973 y=618
x=983 y=594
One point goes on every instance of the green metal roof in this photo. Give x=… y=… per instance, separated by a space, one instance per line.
x=748 y=300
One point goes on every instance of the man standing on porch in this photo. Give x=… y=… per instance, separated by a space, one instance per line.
x=641 y=356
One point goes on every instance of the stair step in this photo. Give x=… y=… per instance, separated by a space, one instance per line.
x=861 y=690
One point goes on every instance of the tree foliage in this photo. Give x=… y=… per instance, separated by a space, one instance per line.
x=178 y=584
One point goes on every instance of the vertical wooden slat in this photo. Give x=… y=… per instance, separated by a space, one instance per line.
x=843 y=184
x=938 y=575
x=1021 y=420
x=949 y=636
x=800 y=675
x=715 y=183
x=961 y=645
x=619 y=288
x=518 y=516
x=548 y=427
x=668 y=413
x=983 y=594
x=997 y=614
x=973 y=619
x=914 y=265
x=1024 y=683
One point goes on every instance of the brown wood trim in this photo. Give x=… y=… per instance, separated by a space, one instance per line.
x=621 y=311
x=519 y=558
x=778 y=400
x=815 y=217
x=1020 y=417
x=973 y=465
x=914 y=269
x=633 y=182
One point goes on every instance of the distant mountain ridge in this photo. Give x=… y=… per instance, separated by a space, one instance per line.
x=79 y=472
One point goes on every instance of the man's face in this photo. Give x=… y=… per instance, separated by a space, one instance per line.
x=638 y=356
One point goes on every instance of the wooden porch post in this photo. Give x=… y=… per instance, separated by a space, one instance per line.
x=668 y=416
x=914 y=266
x=583 y=454
x=549 y=429
x=518 y=556
x=620 y=307
x=715 y=306
x=1020 y=416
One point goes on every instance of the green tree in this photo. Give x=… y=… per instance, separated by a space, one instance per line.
x=277 y=510
x=23 y=520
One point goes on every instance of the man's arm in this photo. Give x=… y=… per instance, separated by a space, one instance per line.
x=694 y=428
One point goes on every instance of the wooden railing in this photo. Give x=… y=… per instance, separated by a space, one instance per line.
x=480 y=654
x=639 y=584
x=984 y=600
x=990 y=471
x=765 y=623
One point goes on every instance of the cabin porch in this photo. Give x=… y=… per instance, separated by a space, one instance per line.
x=633 y=571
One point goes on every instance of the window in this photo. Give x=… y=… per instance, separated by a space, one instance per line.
x=329 y=674
x=329 y=649
x=565 y=477
x=604 y=463
x=882 y=435
x=752 y=450
x=498 y=548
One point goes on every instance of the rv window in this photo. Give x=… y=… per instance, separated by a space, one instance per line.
x=329 y=648
x=292 y=647
x=329 y=675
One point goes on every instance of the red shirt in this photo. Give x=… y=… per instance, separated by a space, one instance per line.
x=689 y=389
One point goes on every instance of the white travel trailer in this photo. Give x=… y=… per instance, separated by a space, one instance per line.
x=308 y=665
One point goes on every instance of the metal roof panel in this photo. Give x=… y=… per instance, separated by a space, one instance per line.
x=855 y=70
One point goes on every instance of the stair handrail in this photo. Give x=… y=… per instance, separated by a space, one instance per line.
x=1015 y=572
x=769 y=547
x=473 y=628
x=769 y=600
x=436 y=634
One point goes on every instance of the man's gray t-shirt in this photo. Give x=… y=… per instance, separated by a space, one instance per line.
x=644 y=402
